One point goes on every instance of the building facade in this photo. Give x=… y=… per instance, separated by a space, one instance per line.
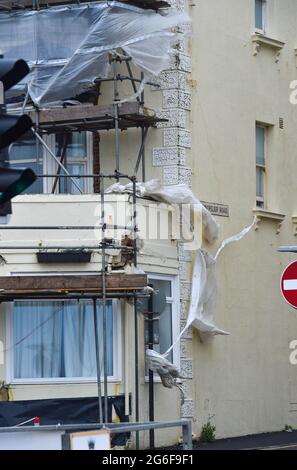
x=227 y=114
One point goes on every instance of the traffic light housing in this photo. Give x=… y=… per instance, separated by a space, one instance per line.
x=12 y=128
x=12 y=72
x=13 y=181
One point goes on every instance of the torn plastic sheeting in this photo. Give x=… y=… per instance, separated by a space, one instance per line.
x=67 y=47
x=175 y=194
x=168 y=373
x=204 y=292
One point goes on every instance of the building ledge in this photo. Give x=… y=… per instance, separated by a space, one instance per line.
x=262 y=214
x=260 y=40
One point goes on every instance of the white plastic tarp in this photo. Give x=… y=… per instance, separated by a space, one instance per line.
x=204 y=286
x=176 y=194
x=67 y=47
x=204 y=292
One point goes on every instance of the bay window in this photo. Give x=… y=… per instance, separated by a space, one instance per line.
x=77 y=159
x=166 y=314
x=54 y=340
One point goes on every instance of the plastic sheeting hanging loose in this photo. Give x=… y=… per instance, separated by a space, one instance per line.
x=67 y=47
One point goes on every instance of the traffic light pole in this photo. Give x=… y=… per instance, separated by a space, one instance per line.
x=5 y=209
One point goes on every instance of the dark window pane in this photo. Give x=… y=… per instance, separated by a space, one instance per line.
x=259 y=20
x=76 y=146
x=260 y=145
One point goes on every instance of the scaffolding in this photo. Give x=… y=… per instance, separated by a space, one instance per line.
x=117 y=116
x=8 y=5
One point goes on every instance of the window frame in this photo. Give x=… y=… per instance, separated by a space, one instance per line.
x=50 y=166
x=117 y=352
x=174 y=301
x=264 y=18
x=261 y=201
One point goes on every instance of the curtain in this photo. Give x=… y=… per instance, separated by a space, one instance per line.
x=56 y=339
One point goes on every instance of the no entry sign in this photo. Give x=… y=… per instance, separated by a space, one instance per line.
x=289 y=284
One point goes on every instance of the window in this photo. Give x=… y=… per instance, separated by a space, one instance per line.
x=55 y=340
x=165 y=305
x=75 y=160
x=260 y=15
x=260 y=165
x=26 y=153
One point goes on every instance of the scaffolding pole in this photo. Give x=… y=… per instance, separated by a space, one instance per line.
x=103 y=228
x=98 y=368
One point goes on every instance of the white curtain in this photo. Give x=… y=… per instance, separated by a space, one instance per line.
x=56 y=339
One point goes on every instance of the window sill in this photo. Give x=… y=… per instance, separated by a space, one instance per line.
x=63 y=381
x=262 y=214
x=261 y=40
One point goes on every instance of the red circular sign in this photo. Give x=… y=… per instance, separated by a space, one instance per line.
x=289 y=284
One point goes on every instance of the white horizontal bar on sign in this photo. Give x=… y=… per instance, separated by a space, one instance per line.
x=290 y=284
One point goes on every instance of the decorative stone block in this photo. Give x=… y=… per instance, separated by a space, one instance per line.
x=185 y=176
x=170 y=99
x=184 y=309
x=187 y=409
x=171 y=79
x=164 y=156
x=177 y=137
x=189 y=333
x=174 y=118
x=183 y=350
x=170 y=175
x=180 y=61
x=185 y=288
x=178 y=4
x=177 y=99
x=182 y=44
x=183 y=254
x=186 y=367
x=185 y=271
x=184 y=63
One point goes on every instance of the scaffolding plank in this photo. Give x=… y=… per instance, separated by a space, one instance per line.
x=34 y=285
x=72 y=113
x=82 y=117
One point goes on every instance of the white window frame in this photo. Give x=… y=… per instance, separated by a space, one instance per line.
x=50 y=165
x=174 y=300
x=264 y=18
x=117 y=352
x=261 y=201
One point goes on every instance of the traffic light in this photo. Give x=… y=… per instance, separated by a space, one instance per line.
x=13 y=181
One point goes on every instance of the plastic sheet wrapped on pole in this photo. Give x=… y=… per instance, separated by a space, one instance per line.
x=67 y=47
